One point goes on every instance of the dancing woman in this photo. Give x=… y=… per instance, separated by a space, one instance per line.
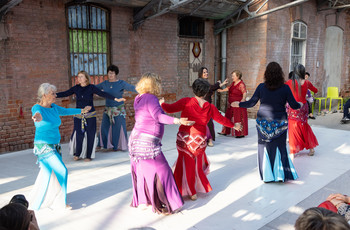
x=152 y=179
x=50 y=188
x=236 y=92
x=192 y=164
x=203 y=73
x=271 y=123
x=84 y=124
x=299 y=131
x=113 y=126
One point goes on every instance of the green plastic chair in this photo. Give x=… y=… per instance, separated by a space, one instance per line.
x=333 y=94
x=319 y=103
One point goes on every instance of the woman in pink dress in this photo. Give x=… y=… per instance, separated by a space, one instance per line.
x=236 y=92
x=152 y=179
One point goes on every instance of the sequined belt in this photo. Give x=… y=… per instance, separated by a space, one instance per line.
x=272 y=129
x=43 y=151
x=299 y=114
x=193 y=144
x=115 y=111
x=83 y=118
x=143 y=146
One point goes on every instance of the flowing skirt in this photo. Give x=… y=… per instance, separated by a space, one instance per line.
x=273 y=160
x=152 y=178
x=300 y=133
x=50 y=188
x=236 y=115
x=192 y=165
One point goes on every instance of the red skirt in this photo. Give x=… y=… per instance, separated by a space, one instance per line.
x=192 y=165
x=300 y=133
x=236 y=115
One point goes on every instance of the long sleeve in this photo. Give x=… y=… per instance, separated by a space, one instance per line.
x=255 y=98
x=311 y=87
x=221 y=119
x=175 y=107
x=66 y=93
x=215 y=87
x=100 y=93
x=129 y=87
x=66 y=111
x=291 y=100
x=157 y=113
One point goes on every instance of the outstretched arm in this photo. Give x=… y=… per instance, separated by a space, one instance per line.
x=175 y=107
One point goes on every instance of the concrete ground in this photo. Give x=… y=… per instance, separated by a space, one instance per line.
x=100 y=191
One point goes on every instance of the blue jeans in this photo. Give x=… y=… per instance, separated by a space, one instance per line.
x=346 y=109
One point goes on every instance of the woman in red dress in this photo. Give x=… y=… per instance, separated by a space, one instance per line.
x=192 y=164
x=236 y=92
x=299 y=131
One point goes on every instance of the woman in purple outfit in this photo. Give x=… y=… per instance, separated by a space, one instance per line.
x=152 y=179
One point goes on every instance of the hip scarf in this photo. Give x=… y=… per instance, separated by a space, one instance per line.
x=114 y=112
x=193 y=145
x=272 y=129
x=43 y=151
x=143 y=146
x=83 y=118
x=298 y=115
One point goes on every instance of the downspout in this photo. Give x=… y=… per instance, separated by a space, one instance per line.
x=223 y=54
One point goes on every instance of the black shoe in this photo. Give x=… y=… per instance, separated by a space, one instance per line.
x=312 y=117
x=240 y=136
x=224 y=134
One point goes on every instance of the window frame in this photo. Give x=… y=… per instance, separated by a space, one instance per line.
x=299 y=39
x=102 y=74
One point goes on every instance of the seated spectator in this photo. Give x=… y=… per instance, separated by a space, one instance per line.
x=338 y=203
x=346 y=116
x=320 y=219
x=14 y=216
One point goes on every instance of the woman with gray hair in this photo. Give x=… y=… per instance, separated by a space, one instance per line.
x=50 y=188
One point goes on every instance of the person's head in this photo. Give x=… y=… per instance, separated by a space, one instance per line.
x=47 y=93
x=203 y=72
x=307 y=75
x=83 y=78
x=200 y=87
x=273 y=76
x=149 y=83
x=290 y=75
x=19 y=199
x=15 y=217
x=298 y=74
x=236 y=75
x=112 y=72
x=320 y=219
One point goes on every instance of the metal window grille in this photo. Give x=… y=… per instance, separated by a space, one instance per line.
x=89 y=41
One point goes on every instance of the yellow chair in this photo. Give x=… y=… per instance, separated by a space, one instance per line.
x=333 y=94
x=319 y=103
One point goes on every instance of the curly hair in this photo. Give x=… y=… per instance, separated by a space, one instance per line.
x=149 y=83
x=113 y=68
x=274 y=77
x=238 y=74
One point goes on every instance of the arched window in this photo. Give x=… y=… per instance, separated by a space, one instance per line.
x=298 y=44
x=89 y=40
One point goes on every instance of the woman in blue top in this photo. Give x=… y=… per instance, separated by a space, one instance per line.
x=272 y=125
x=85 y=125
x=113 y=127
x=53 y=172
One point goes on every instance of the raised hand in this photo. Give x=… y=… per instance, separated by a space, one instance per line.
x=119 y=99
x=37 y=117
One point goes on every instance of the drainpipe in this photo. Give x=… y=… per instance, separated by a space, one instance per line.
x=223 y=54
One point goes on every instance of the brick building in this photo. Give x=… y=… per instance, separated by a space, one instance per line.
x=35 y=47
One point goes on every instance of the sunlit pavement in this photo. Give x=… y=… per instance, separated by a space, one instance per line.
x=100 y=191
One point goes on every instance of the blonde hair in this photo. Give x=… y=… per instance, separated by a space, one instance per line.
x=87 y=76
x=44 y=89
x=149 y=83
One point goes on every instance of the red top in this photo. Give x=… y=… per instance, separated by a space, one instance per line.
x=235 y=92
x=302 y=96
x=190 y=108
